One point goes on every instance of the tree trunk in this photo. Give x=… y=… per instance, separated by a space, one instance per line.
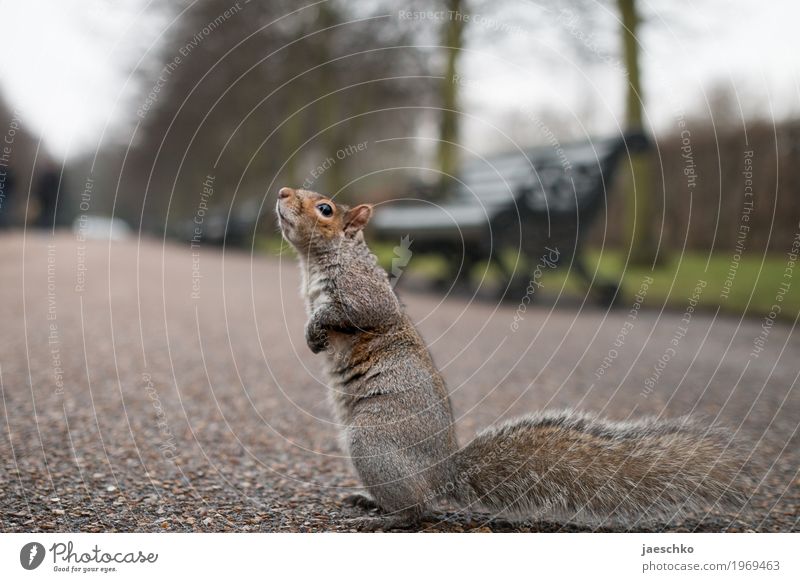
x=638 y=180
x=453 y=35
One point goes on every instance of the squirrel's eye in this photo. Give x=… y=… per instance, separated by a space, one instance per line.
x=325 y=209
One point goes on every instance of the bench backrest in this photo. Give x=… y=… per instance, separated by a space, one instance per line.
x=544 y=179
x=558 y=186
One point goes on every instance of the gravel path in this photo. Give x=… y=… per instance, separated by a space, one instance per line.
x=130 y=404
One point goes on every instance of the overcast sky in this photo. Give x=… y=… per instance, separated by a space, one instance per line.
x=66 y=64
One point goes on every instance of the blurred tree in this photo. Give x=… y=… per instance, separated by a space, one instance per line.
x=265 y=94
x=639 y=178
x=452 y=41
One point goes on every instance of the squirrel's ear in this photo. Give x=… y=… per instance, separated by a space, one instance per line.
x=357 y=218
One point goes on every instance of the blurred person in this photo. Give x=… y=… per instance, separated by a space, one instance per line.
x=6 y=196
x=47 y=190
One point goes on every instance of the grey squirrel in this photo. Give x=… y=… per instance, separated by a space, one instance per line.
x=397 y=423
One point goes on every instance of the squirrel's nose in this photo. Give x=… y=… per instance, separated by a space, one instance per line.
x=285 y=193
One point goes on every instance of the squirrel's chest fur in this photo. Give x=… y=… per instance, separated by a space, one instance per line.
x=380 y=376
x=316 y=288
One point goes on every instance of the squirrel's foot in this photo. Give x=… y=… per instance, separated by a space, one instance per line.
x=384 y=522
x=316 y=338
x=360 y=500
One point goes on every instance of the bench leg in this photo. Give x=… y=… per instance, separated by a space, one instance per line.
x=514 y=282
x=606 y=292
x=457 y=275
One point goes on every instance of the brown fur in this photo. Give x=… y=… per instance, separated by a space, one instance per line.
x=397 y=424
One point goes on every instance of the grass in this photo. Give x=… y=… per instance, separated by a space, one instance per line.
x=755 y=288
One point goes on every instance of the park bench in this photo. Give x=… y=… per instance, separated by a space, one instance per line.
x=523 y=211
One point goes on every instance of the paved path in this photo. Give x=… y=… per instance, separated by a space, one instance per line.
x=143 y=390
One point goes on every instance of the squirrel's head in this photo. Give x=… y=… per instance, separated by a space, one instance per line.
x=311 y=221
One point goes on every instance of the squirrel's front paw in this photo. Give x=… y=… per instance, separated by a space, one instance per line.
x=316 y=338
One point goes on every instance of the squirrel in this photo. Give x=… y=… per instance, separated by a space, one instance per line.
x=397 y=422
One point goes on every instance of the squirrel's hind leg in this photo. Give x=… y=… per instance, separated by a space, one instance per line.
x=385 y=521
x=402 y=520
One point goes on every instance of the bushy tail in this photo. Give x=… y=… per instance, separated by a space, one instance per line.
x=579 y=467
